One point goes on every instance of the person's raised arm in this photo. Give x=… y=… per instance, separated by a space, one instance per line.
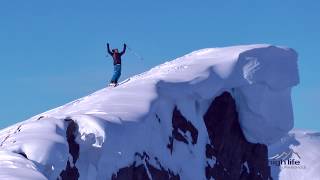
x=108 y=46
x=124 y=49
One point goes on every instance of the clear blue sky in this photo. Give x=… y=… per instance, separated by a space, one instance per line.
x=52 y=52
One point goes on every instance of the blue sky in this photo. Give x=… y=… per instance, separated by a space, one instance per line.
x=52 y=52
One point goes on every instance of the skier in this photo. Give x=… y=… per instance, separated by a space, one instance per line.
x=116 y=63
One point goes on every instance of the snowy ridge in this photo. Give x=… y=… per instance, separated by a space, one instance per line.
x=266 y=71
x=132 y=122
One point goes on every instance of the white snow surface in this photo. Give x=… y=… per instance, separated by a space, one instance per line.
x=302 y=146
x=116 y=122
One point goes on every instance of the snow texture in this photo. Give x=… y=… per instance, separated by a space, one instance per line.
x=115 y=122
x=298 y=145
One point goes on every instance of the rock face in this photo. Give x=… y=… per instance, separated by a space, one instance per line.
x=229 y=155
x=234 y=156
x=144 y=170
x=180 y=127
x=71 y=171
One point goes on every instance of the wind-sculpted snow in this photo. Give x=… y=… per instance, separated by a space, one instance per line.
x=15 y=166
x=260 y=77
x=152 y=125
x=42 y=142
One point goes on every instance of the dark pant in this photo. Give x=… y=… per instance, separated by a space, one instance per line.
x=116 y=73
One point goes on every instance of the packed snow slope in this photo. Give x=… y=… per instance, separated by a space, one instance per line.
x=97 y=135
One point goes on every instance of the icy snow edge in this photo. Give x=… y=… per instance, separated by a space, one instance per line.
x=260 y=78
x=114 y=123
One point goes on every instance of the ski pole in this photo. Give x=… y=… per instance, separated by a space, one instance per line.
x=136 y=54
x=106 y=55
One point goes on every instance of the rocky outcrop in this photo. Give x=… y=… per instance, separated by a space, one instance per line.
x=233 y=156
x=229 y=155
x=71 y=172
x=141 y=169
x=180 y=126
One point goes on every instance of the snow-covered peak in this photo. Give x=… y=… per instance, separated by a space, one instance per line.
x=156 y=119
x=259 y=76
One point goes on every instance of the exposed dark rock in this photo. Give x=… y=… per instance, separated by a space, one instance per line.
x=142 y=169
x=23 y=154
x=158 y=118
x=229 y=155
x=170 y=145
x=228 y=146
x=180 y=127
x=71 y=138
x=40 y=117
x=71 y=172
x=10 y=134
